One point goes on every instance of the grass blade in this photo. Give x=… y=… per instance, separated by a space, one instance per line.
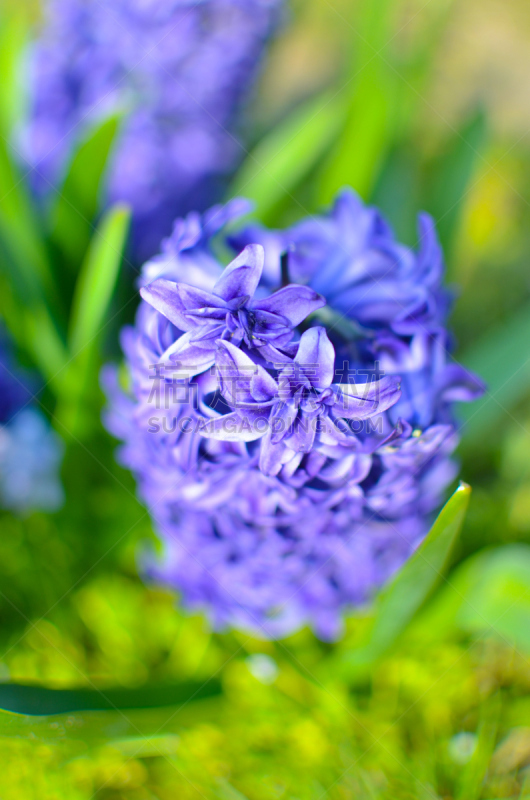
x=29 y=294
x=371 y=119
x=502 y=360
x=25 y=255
x=103 y=717
x=488 y=593
x=287 y=154
x=44 y=344
x=13 y=41
x=93 y=293
x=34 y=331
x=471 y=778
x=78 y=199
x=365 y=141
x=97 y=279
x=38 y=700
x=399 y=602
x=450 y=173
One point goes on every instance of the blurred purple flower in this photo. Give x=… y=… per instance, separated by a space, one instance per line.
x=178 y=69
x=352 y=257
x=287 y=490
x=30 y=452
x=16 y=385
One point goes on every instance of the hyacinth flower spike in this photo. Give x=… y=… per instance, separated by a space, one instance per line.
x=230 y=313
x=178 y=73
x=288 y=413
x=318 y=488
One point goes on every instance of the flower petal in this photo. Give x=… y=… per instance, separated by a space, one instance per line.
x=236 y=427
x=303 y=433
x=206 y=335
x=241 y=277
x=317 y=356
x=200 y=303
x=363 y=400
x=294 y=303
x=455 y=383
x=273 y=455
x=190 y=357
x=164 y=296
x=282 y=420
x=241 y=381
x=352 y=467
x=263 y=387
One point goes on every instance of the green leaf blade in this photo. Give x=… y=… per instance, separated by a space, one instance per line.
x=36 y=700
x=14 y=36
x=371 y=114
x=97 y=279
x=78 y=198
x=124 y=716
x=286 y=155
x=402 y=598
x=29 y=298
x=365 y=141
x=450 y=175
x=78 y=395
x=489 y=593
x=26 y=258
x=501 y=359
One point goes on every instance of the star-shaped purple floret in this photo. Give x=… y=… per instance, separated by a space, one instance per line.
x=289 y=412
x=230 y=313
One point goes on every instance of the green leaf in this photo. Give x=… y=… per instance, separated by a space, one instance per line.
x=93 y=293
x=450 y=173
x=78 y=199
x=386 y=86
x=287 y=154
x=397 y=193
x=25 y=256
x=97 y=279
x=489 y=593
x=33 y=699
x=371 y=120
x=43 y=342
x=365 y=141
x=501 y=359
x=228 y=792
x=470 y=781
x=29 y=295
x=34 y=331
x=400 y=600
x=117 y=716
x=13 y=42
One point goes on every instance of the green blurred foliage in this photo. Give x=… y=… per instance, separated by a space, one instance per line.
x=418 y=106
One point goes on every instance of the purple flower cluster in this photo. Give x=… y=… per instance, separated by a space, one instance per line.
x=289 y=417
x=178 y=69
x=30 y=452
